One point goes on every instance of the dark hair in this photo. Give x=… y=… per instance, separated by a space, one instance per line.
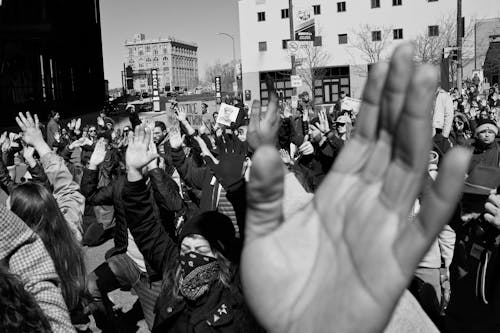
x=36 y=206
x=19 y=311
x=161 y=125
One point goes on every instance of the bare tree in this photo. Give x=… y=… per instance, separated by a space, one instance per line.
x=313 y=62
x=225 y=71
x=429 y=49
x=363 y=41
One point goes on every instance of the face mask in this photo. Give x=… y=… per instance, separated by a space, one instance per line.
x=198 y=272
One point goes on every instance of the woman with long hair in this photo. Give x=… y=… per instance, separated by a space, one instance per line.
x=56 y=217
x=201 y=289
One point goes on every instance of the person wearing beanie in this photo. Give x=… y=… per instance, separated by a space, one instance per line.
x=486 y=148
x=201 y=289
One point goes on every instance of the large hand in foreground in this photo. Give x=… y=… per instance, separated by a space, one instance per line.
x=341 y=262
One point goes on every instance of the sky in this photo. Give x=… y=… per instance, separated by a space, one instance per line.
x=196 y=21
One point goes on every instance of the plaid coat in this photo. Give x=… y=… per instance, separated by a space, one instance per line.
x=26 y=256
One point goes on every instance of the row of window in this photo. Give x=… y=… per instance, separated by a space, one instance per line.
x=341 y=7
x=433 y=31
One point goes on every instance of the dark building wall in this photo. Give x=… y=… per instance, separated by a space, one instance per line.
x=50 y=57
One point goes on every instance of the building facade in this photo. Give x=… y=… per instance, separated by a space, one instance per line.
x=176 y=62
x=339 y=28
x=50 y=58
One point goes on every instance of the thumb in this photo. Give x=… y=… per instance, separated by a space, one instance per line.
x=306 y=138
x=264 y=194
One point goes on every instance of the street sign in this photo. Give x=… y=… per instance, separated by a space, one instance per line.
x=156 y=95
x=292 y=47
x=218 y=90
x=304 y=20
x=296 y=81
x=248 y=95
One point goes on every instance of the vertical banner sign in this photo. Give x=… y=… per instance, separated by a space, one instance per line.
x=303 y=20
x=218 y=95
x=156 y=93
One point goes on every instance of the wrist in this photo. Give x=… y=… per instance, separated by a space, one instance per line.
x=31 y=162
x=133 y=175
x=42 y=148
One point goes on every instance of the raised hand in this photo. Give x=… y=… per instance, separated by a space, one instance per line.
x=98 y=155
x=176 y=140
x=204 y=149
x=341 y=262
x=181 y=115
x=323 y=126
x=30 y=126
x=138 y=154
x=3 y=138
x=100 y=121
x=78 y=123
x=263 y=132
x=153 y=150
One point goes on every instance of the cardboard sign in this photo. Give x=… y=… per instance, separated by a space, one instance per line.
x=227 y=114
x=295 y=101
x=193 y=113
x=351 y=104
x=296 y=81
x=304 y=21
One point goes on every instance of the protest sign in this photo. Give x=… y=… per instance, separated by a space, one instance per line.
x=351 y=104
x=227 y=114
x=193 y=113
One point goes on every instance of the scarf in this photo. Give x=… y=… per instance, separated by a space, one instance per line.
x=199 y=272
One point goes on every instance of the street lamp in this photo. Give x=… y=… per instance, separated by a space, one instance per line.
x=234 y=59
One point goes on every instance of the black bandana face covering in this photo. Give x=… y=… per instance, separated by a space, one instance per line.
x=198 y=272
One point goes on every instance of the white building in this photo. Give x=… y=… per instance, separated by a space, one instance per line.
x=175 y=60
x=265 y=27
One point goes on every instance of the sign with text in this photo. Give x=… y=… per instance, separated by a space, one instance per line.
x=193 y=113
x=351 y=104
x=303 y=19
x=227 y=114
x=295 y=101
x=155 y=83
x=218 y=89
x=296 y=81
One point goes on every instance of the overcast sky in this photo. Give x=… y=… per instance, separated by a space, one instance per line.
x=196 y=21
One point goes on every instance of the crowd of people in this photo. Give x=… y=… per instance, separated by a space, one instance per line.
x=290 y=220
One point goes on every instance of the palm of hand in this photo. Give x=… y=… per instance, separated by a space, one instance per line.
x=98 y=156
x=330 y=260
x=32 y=136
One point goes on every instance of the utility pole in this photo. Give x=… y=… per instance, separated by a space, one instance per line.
x=292 y=37
x=459 y=45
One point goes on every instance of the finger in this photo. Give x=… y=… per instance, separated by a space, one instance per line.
x=147 y=136
x=254 y=117
x=494 y=199
x=437 y=207
x=264 y=193
x=491 y=219
x=412 y=142
x=491 y=208
x=20 y=124
x=370 y=105
x=23 y=119
x=272 y=110
x=136 y=133
x=397 y=81
x=29 y=118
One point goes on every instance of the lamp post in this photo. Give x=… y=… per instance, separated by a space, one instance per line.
x=234 y=59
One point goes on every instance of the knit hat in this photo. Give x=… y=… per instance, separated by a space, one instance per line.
x=217 y=229
x=486 y=124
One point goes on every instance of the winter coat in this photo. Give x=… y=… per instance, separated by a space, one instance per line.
x=25 y=255
x=66 y=192
x=222 y=309
x=442 y=117
x=166 y=195
x=485 y=155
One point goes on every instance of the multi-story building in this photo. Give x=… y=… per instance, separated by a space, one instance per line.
x=339 y=27
x=50 y=58
x=175 y=60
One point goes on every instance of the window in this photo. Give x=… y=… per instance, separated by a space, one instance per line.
x=343 y=39
x=398 y=33
x=397 y=2
x=148 y=48
x=341 y=6
x=375 y=3
x=141 y=53
x=261 y=16
x=376 y=36
x=284 y=44
x=284 y=13
x=318 y=41
x=432 y=0
x=317 y=9
x=262 y=46
x=433 y=30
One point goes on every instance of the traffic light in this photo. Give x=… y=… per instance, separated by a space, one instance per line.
x=454 y=54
